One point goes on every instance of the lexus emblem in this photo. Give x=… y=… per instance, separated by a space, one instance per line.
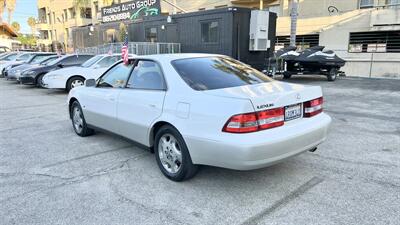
x=298 y=96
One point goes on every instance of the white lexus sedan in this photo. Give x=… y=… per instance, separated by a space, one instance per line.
x=70 y=77
x=201 y=109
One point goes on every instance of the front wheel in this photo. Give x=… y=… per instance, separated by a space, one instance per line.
x=332 y=74
x=39 y=81
x=287 y=75
x=75 y=82
x=78 y=121
x=172 y=155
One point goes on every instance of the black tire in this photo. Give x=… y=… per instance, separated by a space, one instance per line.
x=287 y=75
x=72 y=80
x=39 y=81
x=332 y=74
x=85 y=130
x=187 y=169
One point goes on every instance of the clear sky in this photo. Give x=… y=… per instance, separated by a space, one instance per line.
x=23 y=10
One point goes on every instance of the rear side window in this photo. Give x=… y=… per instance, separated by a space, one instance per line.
x=75 y=59
x=209 y=73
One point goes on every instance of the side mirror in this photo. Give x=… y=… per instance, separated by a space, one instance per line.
x=96 y=66
x=90 y=83
x=60 y=65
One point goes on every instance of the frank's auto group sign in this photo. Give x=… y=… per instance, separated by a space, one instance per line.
x=132 y=10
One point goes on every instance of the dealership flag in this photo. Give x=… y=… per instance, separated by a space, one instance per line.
x=124 y=50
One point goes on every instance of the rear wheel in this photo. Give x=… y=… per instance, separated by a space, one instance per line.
x=287 y=75
x=78 y=121
x=332 y=74
x=75 y=82
x=172 y=155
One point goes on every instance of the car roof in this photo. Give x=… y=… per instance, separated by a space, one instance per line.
x=171 y=57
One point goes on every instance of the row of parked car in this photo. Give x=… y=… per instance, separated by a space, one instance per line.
x=53 y=71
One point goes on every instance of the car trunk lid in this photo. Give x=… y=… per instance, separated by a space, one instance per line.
x=270 y=95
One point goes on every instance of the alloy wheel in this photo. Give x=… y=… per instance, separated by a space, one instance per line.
x=76 y=83
x=170 y=153
x=77 y=120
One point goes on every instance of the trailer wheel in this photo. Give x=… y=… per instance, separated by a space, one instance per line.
x=332 y=74
x=287 y=75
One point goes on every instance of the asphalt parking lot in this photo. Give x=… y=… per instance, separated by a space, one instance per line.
x=49 y=175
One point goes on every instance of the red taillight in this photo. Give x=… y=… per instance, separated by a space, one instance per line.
x=242 y=123
x=251 y=122
x=271 y=118
x=313 y=107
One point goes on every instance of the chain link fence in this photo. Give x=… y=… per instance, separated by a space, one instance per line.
x=137 y=48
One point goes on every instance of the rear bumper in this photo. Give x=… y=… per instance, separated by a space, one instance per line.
x=260 y=149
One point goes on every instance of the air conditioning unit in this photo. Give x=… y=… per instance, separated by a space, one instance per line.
x=259 y=26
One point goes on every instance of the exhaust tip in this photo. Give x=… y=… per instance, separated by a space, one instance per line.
x=313 y=149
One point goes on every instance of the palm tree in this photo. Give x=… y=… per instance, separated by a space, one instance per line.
x=107 y=2
x=10 y=5
x=16 y=26
x=2 y=7
x=32 y=23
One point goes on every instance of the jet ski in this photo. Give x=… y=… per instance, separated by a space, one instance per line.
x=287 y=54
x=313 y=60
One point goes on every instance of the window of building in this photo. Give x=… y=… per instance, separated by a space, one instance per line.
x=302 y=41
x=366 y=4
x=65 y=14
x=151 y=34
x=72 y=13
x=86 y=13
x=375 y=41
x=210 y=32
x=393 y=3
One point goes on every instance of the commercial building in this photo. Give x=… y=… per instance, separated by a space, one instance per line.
x=364 y=32
x=242 y=33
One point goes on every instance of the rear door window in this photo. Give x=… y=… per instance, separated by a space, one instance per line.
x=209 y=73
x=146 y=75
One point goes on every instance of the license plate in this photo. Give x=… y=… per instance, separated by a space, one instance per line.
x=292 y=112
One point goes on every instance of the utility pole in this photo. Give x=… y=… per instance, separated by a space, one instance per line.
x=293 y=22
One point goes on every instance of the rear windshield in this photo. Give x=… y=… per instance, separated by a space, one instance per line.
x=209 y=73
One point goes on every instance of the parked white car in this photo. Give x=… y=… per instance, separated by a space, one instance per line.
x=14 y=59
x=201 y=109
x=68 y=78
